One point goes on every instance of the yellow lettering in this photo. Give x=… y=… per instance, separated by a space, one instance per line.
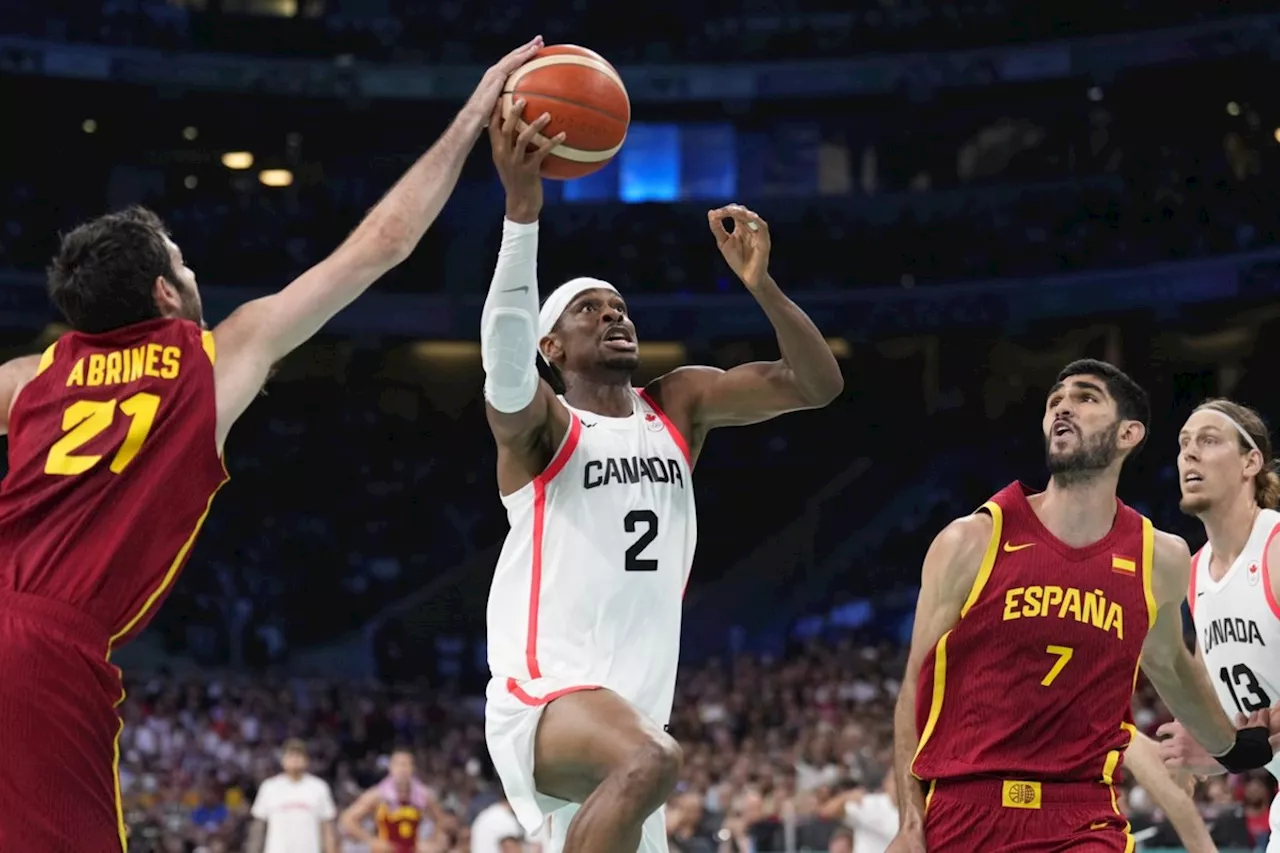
x=1070 y=604
x=76 y=377
x=1088 y=607
x=85 y=420
x=114 y=364
x=153 y=359
x=169 y=358
x=1095 y=607
x=97 y=369
x=1011 y=604
x=1032 y=599
x=137 y=361
x=1052 y=597
x=1115 y=618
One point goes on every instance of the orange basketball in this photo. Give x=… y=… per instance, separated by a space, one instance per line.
x=586 y=100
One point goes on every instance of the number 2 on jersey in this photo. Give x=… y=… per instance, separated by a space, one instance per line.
x=85 y=420
x=1064 y=654
x=633 y=522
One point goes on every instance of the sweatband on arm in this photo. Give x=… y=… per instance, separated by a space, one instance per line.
x=1251 y=750
x=509 y=323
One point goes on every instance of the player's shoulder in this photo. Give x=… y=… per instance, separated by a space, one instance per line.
x=968 y=535
x=1169 y=549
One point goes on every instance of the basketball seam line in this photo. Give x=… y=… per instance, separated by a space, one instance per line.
x=573 y=103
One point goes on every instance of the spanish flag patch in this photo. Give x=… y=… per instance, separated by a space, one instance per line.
x=1123 y=565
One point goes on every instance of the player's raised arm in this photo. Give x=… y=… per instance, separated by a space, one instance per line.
x=1181 y=681
x=527 y=420
x=950 y=569
x=1171 y=790
x=806 y=377
x=261 y=332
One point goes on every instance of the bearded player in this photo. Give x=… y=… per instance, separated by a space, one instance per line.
x=115 y=455
x=1228 y=477
x=584 y=612
x=1034 y=613
x=404 y=811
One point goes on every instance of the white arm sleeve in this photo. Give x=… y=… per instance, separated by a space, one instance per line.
x=509 y=324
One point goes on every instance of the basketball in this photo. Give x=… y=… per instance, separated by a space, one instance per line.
x=587 y=102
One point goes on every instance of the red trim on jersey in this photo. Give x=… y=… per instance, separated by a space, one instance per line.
x=1195 y=570
x=514 y=688
x=671 y=428
x=539 y=520
x=1266 y=574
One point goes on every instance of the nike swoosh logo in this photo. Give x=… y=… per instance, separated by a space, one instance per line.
x=585 y=424
x=1009 y=547
x=516 y=289
x=1198 y=594
x=1102 y=824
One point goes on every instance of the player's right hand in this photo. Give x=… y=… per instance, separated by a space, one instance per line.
x=518 y=154
x=486 y=94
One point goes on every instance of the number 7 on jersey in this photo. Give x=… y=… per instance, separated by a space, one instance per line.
x=1064 y=654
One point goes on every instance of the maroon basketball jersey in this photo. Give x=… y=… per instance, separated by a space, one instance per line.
x=113 y=465
x=1036 y=679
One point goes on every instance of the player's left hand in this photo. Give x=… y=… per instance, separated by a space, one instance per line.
x=746 y=248
x=1180 y=751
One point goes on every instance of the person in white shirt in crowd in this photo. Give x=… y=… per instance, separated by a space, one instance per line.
x=497 y=830
x=872 y=815
x=294 y=811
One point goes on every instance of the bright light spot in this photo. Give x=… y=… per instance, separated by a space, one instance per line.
x=276 y=177
x=189 y=133
x=190 y=182
x=237 y=160
x=1095 y=94
x=1233 y=109
x=89 y=125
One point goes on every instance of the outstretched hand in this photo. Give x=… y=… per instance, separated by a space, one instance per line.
x=518 y=155
x=482 y=100
x=746 y=248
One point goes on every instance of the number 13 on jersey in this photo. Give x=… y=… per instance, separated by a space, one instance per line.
x=85 y=420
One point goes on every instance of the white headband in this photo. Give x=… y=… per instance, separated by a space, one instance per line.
x=1243 y=432
x=560 y=298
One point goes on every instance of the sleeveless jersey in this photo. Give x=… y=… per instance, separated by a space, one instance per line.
x=589 y=586
x=1237 y=623
x=113 y=466
x=1036 y=679
x=398 y=824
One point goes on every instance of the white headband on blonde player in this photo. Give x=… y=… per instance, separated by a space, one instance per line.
x=1243 y=432
x=559 y=300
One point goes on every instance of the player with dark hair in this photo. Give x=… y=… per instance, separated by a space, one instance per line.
x=1034 y=612
x=115 y=454
x=1228 y=478
x=584 y=612
x=404 y=811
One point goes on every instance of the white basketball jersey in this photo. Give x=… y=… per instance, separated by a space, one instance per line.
x=590 y=584
x=1238 y=629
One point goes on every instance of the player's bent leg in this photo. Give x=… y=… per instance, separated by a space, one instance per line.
x=592 y=747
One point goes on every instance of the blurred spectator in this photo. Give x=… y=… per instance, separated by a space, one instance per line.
x=294 y=810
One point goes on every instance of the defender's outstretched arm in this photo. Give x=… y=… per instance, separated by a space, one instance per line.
x=260 y=333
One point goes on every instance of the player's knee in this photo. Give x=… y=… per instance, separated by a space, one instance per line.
x=655 y=766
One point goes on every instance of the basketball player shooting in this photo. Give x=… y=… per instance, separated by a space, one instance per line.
x=1227 y=473
x=584 y=611
x=1034 y=612
x=115 y=454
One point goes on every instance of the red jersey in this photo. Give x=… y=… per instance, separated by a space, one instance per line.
x=113 y=465
x=398 y=824
x=1036 y=679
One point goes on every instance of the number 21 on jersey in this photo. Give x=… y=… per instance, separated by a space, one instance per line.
x=85 y=420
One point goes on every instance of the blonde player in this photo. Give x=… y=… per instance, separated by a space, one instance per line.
x=1228 y=477
x=584 y=612
x=294 y=811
